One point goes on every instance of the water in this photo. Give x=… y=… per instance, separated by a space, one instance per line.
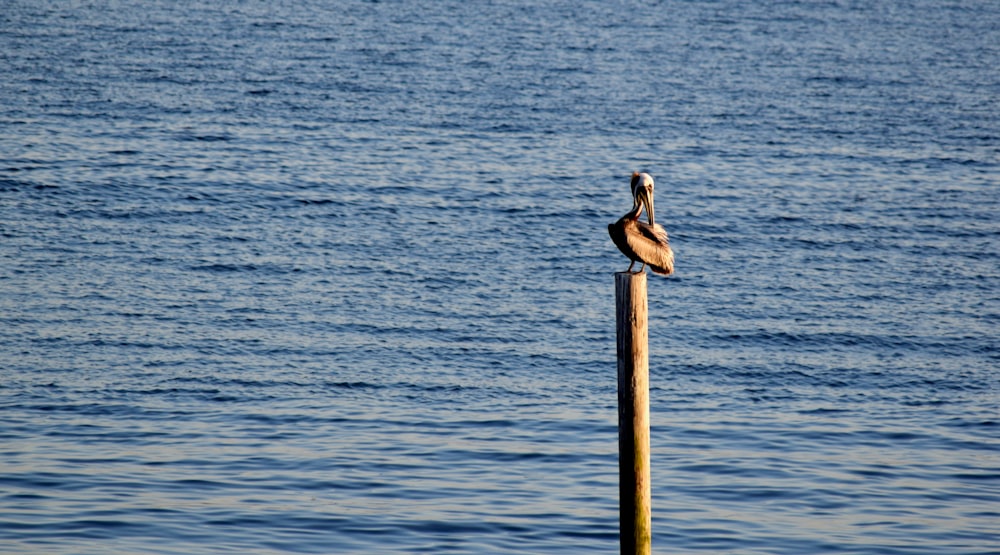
x=314 y=278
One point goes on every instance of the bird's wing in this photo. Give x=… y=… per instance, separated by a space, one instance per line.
x=654 y=233
x=652 y=246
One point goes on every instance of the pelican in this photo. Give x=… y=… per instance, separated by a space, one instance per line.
x=645 y=242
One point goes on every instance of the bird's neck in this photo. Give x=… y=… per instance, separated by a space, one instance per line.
x=634 y=213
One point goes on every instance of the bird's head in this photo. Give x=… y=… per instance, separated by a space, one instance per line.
x=642 y=193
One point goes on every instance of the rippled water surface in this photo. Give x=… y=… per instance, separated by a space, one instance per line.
x=334 y=277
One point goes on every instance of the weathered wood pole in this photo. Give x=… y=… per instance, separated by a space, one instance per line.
x=634 y=493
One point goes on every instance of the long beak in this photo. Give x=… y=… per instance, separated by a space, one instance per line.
x=647 y=200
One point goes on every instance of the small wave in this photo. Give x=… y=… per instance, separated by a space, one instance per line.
x=224 y=268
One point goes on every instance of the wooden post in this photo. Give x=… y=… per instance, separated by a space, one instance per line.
x=634 y=493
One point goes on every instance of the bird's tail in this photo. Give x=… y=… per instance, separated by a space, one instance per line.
x=660 y=270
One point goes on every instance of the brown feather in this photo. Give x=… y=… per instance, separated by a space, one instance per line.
x=644 y=243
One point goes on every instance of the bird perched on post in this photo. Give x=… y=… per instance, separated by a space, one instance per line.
x=639 y=241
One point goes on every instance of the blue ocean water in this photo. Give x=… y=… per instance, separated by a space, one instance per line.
x=334 y=277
